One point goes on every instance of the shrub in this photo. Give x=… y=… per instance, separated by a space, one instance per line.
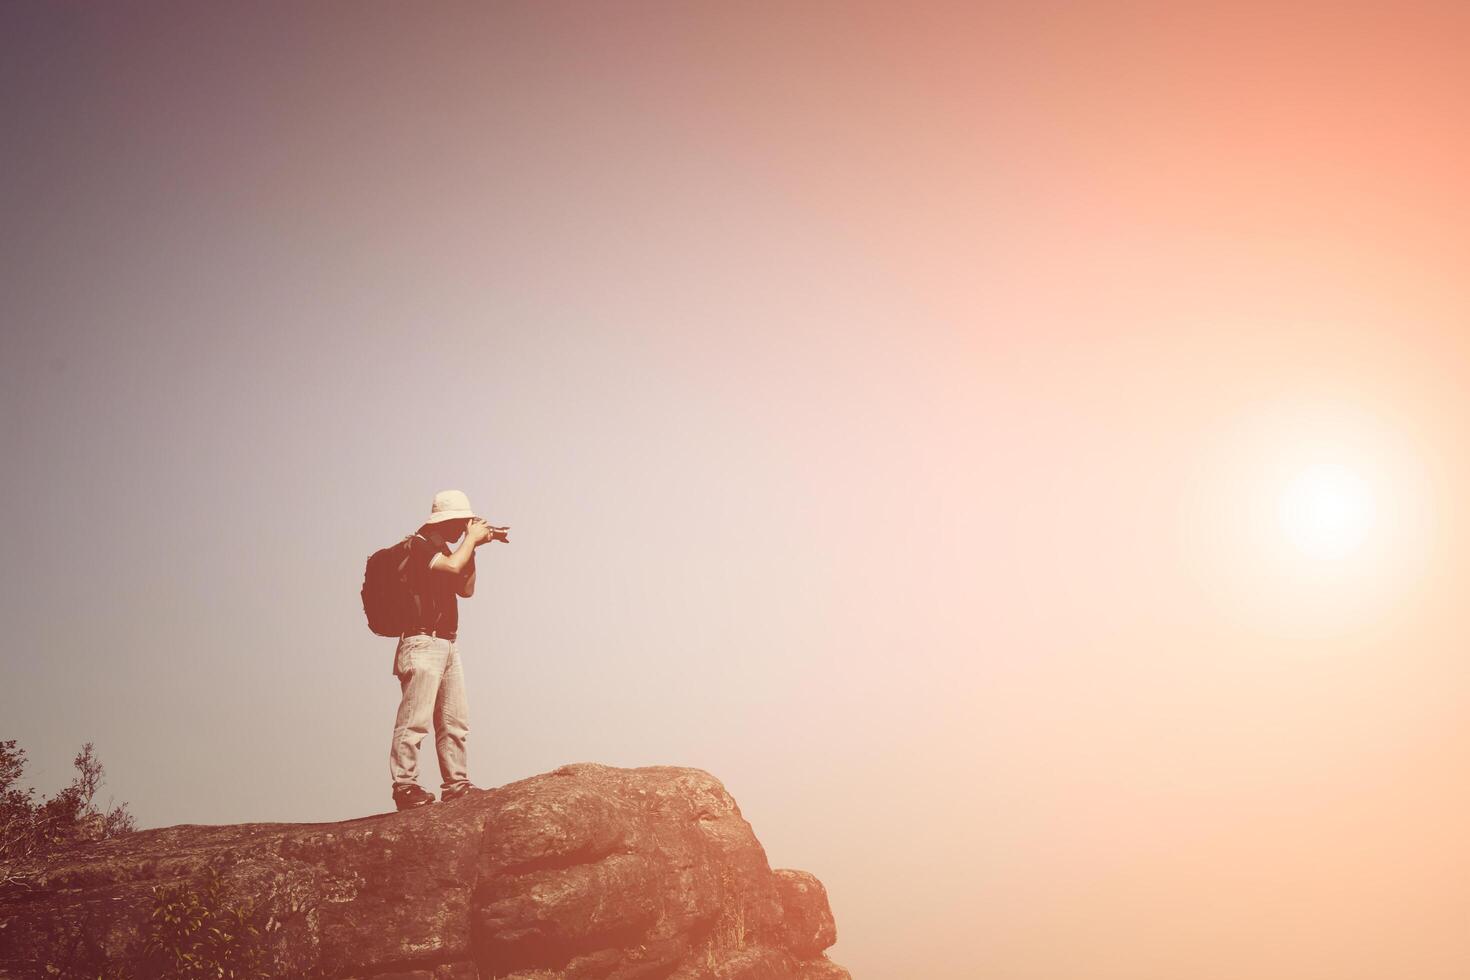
x=30 y=826
x=199 y=934
x=191 y=934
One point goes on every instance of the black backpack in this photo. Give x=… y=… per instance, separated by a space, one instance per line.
x=390 y=606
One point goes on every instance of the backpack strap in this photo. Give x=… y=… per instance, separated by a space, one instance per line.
x=418 y=602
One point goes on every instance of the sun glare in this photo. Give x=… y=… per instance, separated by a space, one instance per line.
x=1311 y=516
x=1327 y=511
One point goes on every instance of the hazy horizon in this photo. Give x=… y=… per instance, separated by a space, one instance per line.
x=914 y=415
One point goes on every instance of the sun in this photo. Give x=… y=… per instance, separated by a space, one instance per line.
x=1314 y=517
x=1327 y=511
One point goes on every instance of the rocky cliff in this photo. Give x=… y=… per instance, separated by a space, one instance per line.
x=585 y=872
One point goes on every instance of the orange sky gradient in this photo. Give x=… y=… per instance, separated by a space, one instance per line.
x=892 y=406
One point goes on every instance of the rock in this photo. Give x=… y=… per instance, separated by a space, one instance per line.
x=820 y=968
x=807 y=926
x=588 y=872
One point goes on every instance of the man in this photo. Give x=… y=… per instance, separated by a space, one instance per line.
x=427 y=660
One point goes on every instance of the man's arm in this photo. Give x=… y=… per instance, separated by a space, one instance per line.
x=467 y=587
x=454 y=564
x=464 y=555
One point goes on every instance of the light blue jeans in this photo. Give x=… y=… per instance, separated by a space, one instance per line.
x=432 y=678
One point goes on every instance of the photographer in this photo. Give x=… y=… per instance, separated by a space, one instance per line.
x=427 y=661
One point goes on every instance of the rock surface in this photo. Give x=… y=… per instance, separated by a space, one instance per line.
x=585 y=873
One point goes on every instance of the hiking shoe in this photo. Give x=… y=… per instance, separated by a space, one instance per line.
x=412 y=795
x=455 y=792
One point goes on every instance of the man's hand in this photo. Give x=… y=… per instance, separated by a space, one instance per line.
x=477 y=531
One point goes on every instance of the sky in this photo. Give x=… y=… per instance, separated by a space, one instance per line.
x=1017 y=448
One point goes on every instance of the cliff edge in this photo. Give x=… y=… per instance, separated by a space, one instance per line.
x=588 y=872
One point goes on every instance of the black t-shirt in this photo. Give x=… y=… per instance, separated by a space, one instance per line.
x=437 y=598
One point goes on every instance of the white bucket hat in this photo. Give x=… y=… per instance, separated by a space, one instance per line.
x=448 y=505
